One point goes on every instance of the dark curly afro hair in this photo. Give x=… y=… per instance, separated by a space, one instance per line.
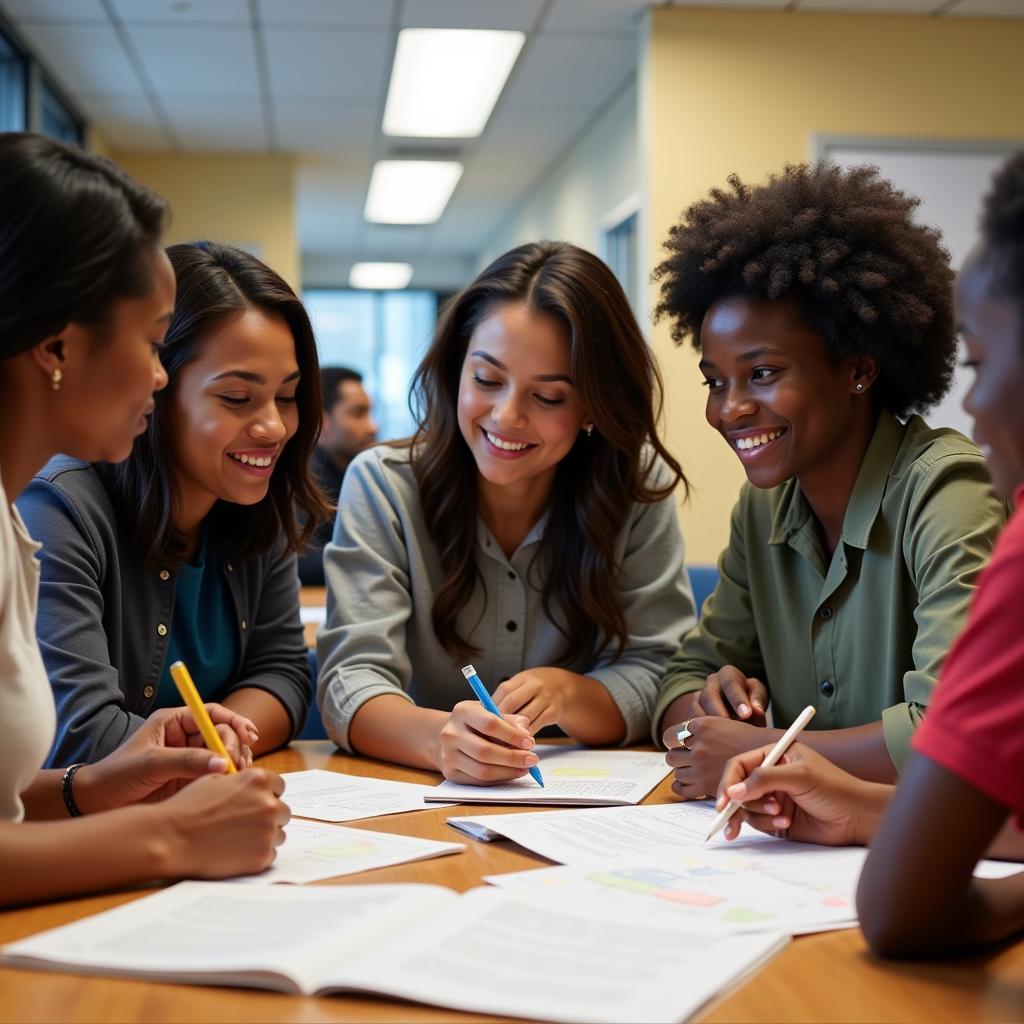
x=1002 y=227
x=842 y=244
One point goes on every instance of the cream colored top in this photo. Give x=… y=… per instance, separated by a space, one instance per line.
x=28 y=720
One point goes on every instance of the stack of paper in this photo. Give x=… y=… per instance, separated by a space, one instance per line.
x=312 y=852
x=332 y=796
x=586 y=778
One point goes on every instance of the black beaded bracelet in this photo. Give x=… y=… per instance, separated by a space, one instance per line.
x=65 y=789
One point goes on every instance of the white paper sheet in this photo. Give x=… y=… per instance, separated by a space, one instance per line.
x=566 y=963
x=332 y=796
x=587 y=778
x=313 y=852
x=586 y=836
x=771 y=887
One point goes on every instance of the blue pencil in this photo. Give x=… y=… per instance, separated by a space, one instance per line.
x=485 y=698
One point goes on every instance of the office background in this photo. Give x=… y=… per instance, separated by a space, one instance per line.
x=260 y=120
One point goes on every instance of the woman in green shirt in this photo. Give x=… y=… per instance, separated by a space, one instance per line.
x=823 y=316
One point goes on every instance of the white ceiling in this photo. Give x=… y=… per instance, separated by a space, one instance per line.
x=310 y=76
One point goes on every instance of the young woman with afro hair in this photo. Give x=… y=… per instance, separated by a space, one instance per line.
x=823 y=316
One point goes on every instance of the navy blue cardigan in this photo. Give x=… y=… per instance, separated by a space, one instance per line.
x=105 y=616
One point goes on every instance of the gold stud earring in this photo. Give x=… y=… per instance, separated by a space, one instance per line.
x=55 y=378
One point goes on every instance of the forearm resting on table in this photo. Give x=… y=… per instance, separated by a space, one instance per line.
x=391 y=728
x=50 y=859
x=591 y=715
x=269 y=715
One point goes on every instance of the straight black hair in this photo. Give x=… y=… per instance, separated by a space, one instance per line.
x=216 y=284
x=76 y=233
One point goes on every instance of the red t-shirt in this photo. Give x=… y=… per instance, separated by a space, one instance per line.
x=975 y=725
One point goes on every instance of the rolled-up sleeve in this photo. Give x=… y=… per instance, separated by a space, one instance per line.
x=658 y=606
x=361 y=647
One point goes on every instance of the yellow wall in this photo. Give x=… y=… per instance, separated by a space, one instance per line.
x=246 y=199
x=744 y=91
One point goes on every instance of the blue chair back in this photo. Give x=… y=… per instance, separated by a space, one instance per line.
x=314 y=727
x=703 y=579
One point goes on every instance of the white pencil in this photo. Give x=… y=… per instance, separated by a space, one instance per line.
x=773 y=755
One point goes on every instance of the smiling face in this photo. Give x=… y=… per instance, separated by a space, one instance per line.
x=518 y=409
x=233 y=412
x=106 y=402
x=991 y=329
x=774 y=392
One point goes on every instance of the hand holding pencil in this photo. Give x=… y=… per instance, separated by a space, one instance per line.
x=804 y=797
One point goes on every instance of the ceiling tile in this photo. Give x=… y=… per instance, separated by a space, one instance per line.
x=395 y=241
x=126 y=122
x=212 y=125
x=184 y=12
x=326 y=127
x=598 y=63
x=85 y=59
x=40 y=10
x=594 y=15
x=329 y=198
x=378 y=13
x=217 y=62
x=521 y=15
x=328 y=64
x=989 y=8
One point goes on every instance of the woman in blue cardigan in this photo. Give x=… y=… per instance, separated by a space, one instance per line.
x=187 y=550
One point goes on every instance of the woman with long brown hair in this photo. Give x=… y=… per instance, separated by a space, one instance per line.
x=187 y=550
x=528 y=526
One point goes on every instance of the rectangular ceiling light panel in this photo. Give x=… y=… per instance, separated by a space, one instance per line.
x=445 y=82
x=410 y=191
x=385 y=276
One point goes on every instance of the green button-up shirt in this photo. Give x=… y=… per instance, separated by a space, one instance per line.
x=863 y=635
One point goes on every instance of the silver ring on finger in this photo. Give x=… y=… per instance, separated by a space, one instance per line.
x=683 y=734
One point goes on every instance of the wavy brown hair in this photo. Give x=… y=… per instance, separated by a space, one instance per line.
x=595 y=485
x=216 y=284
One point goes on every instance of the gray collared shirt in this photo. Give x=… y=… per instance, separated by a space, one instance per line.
x=383 y=572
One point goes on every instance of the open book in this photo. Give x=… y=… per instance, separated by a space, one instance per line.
x=488 y=951
x=572 y=777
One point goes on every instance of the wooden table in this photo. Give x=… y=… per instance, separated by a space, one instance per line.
x=825 y=977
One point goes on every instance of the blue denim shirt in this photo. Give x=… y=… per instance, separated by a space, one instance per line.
x=105 y=616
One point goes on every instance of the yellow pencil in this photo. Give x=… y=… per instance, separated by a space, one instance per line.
x=190 y=695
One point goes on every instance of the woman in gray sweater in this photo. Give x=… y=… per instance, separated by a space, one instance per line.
x=187 y=550
x=530 y=527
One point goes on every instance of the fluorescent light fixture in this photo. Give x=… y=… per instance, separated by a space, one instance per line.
x=385 y=276
x=445 y=82
x=410 y=191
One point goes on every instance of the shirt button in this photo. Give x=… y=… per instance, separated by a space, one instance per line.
x=511 y=575
x=244 y=624
x=162 y=629
x=164 y=575
x=827 y=687
x=826 y=612
x=511 y=626
x=147 y=692
x=229 y=567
